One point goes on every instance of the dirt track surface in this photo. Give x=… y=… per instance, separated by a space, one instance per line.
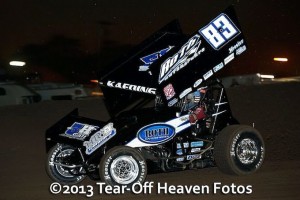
x=275 y=110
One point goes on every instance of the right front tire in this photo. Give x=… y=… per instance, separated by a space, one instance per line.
x=239 y=150
x=123 y=165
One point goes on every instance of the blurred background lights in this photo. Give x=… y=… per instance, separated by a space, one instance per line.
x=281 y=59
x=17 y=63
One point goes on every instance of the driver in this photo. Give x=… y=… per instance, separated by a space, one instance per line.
x=194 y=98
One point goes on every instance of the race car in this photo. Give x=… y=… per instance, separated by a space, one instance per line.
x=168 y=112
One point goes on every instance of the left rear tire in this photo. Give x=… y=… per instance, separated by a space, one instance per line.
x=59 y=154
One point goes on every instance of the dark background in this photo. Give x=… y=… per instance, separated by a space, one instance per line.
x=72 y=39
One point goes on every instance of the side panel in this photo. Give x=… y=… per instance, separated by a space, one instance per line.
x=159 y=133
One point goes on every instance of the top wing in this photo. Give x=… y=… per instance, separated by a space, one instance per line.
x=203 y=54
x=132 y=72
x=130 y=80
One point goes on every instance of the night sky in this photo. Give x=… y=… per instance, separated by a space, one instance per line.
x=271 y=27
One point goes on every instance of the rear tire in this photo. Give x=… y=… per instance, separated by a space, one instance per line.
x=59 y=173
x=239 y=150
x=123 y=165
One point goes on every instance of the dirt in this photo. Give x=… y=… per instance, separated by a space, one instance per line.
x=274 y=110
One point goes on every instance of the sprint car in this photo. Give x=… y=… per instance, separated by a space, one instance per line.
x=168 y=112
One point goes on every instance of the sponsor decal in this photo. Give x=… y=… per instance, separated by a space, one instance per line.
x=237 y=45
x=176 y=124
x=198 y=82
x=229 y=58
x=195 y=150
x=180 y=159
x=79 y=131
x=197 y=144
x=169 y=91
x=219 y=31
x=172 y=102
x=185 y=145
x=188 y=52
x=156 y=133
x=184 y=118
x=218 y=67
x=240 y=50
x=208 y=74
x=99 y=138
x=127 y=86
x=149 y=59
x=179 y=152
x=185 y=92
x=192 y=157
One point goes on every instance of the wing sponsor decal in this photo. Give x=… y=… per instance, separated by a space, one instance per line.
x=218 y=67
x=79 y=131
x=197 y=83
x=220 y=31
x=156 y=133
x=172 y=102
x=185 y=92
x=240 y=50
x=237 y=45
x=169 y=91
x=188 y=52
x=207 y=74
x=149 y=59
x=131 y=87
x=99 y=138
x=229 y=58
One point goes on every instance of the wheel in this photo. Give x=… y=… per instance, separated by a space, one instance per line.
x=123 y=165
x=61 y=154
x=239 y=150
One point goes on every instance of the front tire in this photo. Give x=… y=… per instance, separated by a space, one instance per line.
x=239 y=150
x=59 y=154
x=123 y=165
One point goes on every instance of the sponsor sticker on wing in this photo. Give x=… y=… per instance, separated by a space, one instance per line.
x=149 y=59
x=169 y=91
x=79 y=131
x=188 y=52
x=220 y=31
x=99 y=138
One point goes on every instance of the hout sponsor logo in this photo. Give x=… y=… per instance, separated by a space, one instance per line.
x=149 y=59
x=127 y=86
x=179 y=60
x=219 y=31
